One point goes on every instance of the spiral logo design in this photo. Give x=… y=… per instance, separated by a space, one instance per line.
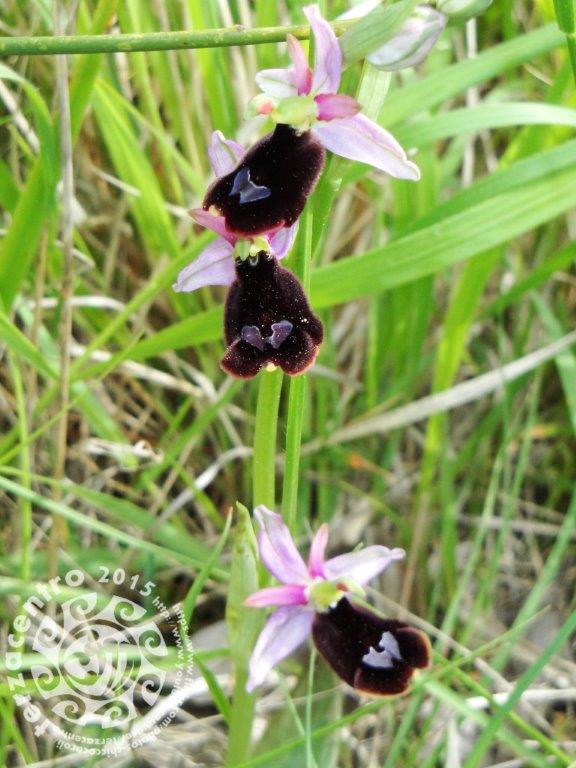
x=100 y=663
x=97 y=660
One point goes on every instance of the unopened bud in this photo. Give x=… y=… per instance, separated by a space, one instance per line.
x=413 y=42
x=462 y=9
x=260 y=105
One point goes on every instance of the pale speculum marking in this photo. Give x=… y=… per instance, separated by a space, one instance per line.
x=383 y=658
x=248 y=191
x=280 y=332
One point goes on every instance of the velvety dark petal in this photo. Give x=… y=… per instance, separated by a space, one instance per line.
x=242 y=360
x=296 y=354
x=267 y=319
x=265 y=294
x=374 y=655
x=269 y=187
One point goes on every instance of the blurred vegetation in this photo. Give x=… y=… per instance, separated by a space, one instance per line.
x=122 y=441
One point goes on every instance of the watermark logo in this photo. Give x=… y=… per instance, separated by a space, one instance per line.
x=105 y=673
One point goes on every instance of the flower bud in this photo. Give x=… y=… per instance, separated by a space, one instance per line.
x=413 y=42
x=260 y=105
x=461 y=10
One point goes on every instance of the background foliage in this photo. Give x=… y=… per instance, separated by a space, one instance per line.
x=441 y=414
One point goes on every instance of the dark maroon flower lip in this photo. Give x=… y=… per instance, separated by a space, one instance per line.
x=374 y=655
x=269 y=187
x=268 y=321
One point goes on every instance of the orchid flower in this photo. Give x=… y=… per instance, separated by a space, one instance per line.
x=374 y=655
x=215 y=265
x=309 y=100
x=265 y=188
x=268 y=321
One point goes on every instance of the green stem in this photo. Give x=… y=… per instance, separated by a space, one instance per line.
x=242 y=715
x=566 y=18
x=310 y=762
x=566 y=15
x=264 y=458
x=26 y=506
x=264 y=492
x=297 y=394
x=153 y=41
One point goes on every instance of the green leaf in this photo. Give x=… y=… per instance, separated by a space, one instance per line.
x=218 y=695
x=450 y=81
x=91 y=523
x=243 y=625
x=167 y=534
x=23 y=347
x=36 y=199
x=485 y=117
x=198 y=329
x=566 y=15
x=432 y=249
x=485 y=738
x=189 y=602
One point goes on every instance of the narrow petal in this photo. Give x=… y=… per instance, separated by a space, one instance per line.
x=362 y=565
x=277 y=549
x=284 y=631
x=224 y=154
x=359 y=138
x=278 y=83
x=214 y=266
x=288 y=594
x=332 y=106
x=327 y=53
x=302 y=74
x=282 y=240
x=317 y=550
x=215 y=223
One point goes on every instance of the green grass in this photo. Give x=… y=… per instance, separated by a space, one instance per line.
x=421 y=287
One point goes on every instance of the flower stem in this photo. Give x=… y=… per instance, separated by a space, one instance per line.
x=297 y=394
x=264 y=492
x=264 y=458
x=153 y=41
x=310 y=762
x=242 y=715
x=566 y=18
